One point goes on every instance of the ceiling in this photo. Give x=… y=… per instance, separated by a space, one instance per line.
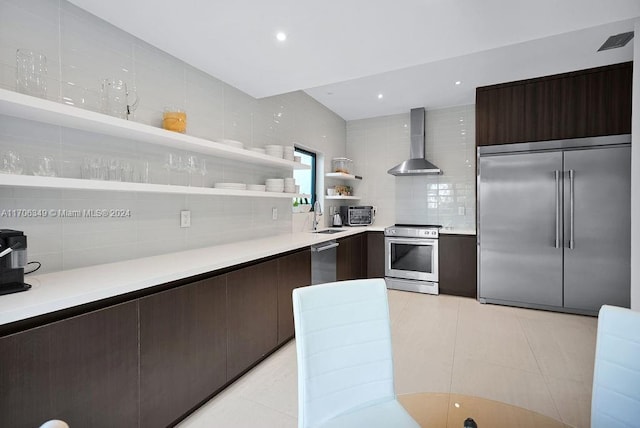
x=345 y=53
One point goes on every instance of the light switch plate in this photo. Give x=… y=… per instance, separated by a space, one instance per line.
x=460 y=210
x=185 y=218
x=274 y=213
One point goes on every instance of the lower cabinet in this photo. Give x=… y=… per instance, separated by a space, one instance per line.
x=252 y=315
x=457 y=265
x=183 y=349
x=351 y=258
x=83 y=370
x=294 y=270
x=150 y=361
x=375 y=254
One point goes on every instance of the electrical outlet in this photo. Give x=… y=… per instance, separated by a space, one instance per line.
x=185 y=218
x=460 y=210
x=274 y=213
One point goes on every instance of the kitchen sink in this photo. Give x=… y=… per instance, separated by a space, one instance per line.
x=328 y=231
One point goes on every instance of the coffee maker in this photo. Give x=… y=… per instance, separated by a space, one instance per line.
x=13 y=259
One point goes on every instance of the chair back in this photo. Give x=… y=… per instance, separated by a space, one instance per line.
x=343 y=343
x=615 y=400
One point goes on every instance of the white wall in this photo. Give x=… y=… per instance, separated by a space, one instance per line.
x=81 y=50
x=378 y=144
x=635 y=175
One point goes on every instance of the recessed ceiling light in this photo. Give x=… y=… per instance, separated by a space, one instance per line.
x=458 y=82
x=281 y=36
x=380 y=96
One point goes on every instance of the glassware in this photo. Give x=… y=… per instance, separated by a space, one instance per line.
x=174 y=119
x=45 y=167
x=11 y=163
x=31 y=73
x=114 y=99
x=192 y=166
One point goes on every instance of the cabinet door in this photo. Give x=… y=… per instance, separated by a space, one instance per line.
x=83 y=370
x=182 y=349
x=457 y=265
x=350 y=262
x=252 y=315
x=294 y=270
x=375 y=255
x=343 y=259
x=500 y=114
x=597 y=262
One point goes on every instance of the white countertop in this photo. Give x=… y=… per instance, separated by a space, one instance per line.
x=457 y=231
x=65 y=289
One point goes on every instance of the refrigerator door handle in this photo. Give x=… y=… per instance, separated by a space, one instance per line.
x=572 y=242
x=557 y=173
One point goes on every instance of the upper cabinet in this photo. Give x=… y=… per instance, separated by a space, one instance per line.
x=585 y=103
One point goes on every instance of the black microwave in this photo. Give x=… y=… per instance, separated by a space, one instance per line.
x=358 y=215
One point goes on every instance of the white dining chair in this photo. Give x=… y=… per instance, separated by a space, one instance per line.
x=345 y=365
x=615 y=400
x=54 y=423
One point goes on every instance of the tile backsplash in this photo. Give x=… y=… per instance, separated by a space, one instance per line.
x=378 y=144
x=82 y=50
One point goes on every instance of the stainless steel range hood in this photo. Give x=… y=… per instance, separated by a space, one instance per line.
x=417 y=164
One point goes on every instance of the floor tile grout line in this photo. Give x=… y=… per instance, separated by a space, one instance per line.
x=544 y=378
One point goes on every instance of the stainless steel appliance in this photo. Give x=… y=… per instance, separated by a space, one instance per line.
x=323 y=262
x=416 y=164
x=554 y=224
x=13 y=259
x=336 y=220
x=411 y=257
x=358 y=215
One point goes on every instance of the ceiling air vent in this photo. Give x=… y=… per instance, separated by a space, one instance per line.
x=617 y=41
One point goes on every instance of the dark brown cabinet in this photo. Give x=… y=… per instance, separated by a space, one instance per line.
x=375 y=254
x=183 y=346
x=584 y=103
x=294 y=270
x=252 y=315
x=457 y=265
x=83 y=370
x=351 y=258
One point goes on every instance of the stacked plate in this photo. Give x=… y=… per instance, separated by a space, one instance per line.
x=257 y=187
x=274 y=150
x=258 y=150
x=233 y=143
x=290 y=185
x=274 y=185
x=230 y=186
x=288 y=153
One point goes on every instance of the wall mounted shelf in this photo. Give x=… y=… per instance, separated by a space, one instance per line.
x=30 y=181
x=342 y=176
x=343 y=198
x=40 y=110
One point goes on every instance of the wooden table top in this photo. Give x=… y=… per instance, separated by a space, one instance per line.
x=441 y=410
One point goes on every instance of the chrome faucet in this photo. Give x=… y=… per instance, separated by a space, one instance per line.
x=317 y=212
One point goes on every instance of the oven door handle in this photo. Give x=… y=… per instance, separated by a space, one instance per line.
x=412 y=241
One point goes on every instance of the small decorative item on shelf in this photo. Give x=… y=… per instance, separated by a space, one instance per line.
x=331 y=191
x=341 y=165
x=174 y=119
x=342 y=190
x=296 y=205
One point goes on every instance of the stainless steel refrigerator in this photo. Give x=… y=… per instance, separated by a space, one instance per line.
x=554 y=221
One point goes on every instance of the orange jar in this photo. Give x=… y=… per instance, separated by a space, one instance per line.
x=174 y=120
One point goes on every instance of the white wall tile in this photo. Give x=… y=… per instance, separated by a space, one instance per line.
x=90 y=50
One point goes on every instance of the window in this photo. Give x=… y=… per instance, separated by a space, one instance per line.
x=306 y=178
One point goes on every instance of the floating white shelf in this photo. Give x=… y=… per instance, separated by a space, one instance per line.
x=119 y=186
x=351 y=198
x=46 y=111
x=342 y=176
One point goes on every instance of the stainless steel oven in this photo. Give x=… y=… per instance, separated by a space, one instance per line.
x=411 y=258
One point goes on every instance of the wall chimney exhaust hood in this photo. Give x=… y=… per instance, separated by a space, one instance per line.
x=416 y=164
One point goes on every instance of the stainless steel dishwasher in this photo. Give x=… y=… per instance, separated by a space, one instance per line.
x=323 y=262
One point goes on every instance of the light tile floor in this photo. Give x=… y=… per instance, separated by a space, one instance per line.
x=538 y=360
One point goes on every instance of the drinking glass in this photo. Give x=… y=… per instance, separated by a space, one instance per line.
x=31 y=73
x=45 y=166
x=114 y=99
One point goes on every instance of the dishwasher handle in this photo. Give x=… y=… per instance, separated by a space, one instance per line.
x=319 y=249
